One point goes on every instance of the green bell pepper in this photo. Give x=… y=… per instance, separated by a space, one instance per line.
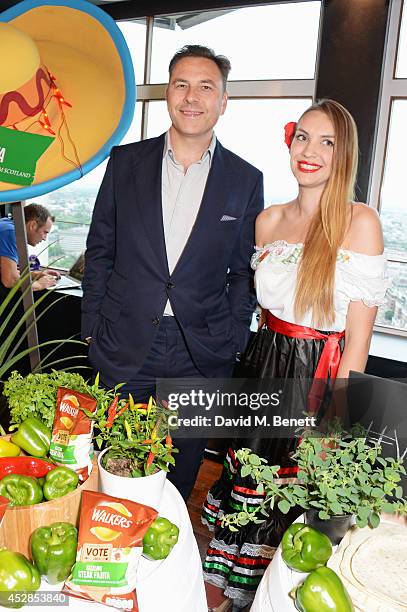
x=21 y=490
x=59 y=482
x=304 y=548
x=323 y=591
x=33 y=437
x=160 y=538
x=17 y=575
x=53 y=550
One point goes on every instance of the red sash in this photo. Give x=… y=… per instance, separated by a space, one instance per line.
x=328 y=363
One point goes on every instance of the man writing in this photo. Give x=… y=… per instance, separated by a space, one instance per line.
x=38 y=224
x=167 y=285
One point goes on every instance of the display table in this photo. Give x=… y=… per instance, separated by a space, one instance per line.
x=175 y=584
x=372 y=563
x=272 y=594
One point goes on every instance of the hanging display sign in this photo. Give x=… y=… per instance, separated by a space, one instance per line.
x=19 y=153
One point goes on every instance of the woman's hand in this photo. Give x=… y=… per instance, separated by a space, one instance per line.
x=262 y=318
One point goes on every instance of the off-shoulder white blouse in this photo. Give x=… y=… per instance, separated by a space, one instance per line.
x=358 y=277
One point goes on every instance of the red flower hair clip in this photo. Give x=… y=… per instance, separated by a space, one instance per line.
x=289 y=131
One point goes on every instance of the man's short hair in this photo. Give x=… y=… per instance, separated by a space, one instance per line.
x=38 y=213
x=221 y=61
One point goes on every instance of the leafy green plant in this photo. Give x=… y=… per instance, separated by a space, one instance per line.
x=346 y=474
x=35 y=394
x=265 y=476
x=341 y=474
x=139 y=434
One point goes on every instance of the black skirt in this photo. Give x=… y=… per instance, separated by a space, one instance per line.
x=236 y=561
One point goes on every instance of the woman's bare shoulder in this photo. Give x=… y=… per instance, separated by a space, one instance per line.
x=274 y=212
x=365 y=234
x=268 y=220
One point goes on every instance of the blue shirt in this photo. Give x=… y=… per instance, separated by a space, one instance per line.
x=8 y=245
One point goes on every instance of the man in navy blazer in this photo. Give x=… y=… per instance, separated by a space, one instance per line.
x=168 y=290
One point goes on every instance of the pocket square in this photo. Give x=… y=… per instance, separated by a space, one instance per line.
x=228 y=218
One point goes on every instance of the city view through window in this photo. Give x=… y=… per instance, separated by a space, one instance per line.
x=254 y=130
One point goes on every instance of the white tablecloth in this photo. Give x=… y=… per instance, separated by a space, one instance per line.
x=175 y=584
x=272 y=594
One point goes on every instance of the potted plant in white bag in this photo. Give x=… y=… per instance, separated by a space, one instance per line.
x=138 y=449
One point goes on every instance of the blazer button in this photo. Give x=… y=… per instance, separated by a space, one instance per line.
x=170 y=285
x=156 y=321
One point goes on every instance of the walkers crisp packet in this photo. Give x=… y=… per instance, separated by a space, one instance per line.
x=71 y=442
x=110 y=544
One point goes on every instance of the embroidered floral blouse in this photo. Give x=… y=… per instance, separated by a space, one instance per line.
x=358 y=277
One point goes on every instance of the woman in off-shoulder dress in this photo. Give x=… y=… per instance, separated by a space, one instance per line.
x=319 y=276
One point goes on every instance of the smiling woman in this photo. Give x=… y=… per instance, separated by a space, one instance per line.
x=319 y=265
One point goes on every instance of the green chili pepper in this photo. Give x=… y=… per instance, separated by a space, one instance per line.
x=17 y=575
x=21 y=490
x=160 y=538
x=33 y=437
x=59 y=482
x=323 y=591
x=53 y=550
x=304 y=548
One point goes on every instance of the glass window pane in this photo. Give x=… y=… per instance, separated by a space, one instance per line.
x=401 y=66
x=254 y=130
x=72 y=208
x=393 y=204
x=135 y=34
x=262 y=42
x=394 y=312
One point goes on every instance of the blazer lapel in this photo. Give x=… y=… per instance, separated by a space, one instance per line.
x=220 y=182
x=147 y=175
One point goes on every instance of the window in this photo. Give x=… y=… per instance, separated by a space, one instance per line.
x=388 y=181
x=263 y=42
x=254 y=130
x=273 y=51
x=72 y=208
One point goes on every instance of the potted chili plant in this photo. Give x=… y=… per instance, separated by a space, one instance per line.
x=139 y=449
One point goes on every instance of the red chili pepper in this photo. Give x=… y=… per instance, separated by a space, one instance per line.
x=168 y=440
x=25 y=466
x=122 y=410
x=112 y=412
x=150 y=459
x=149 y=441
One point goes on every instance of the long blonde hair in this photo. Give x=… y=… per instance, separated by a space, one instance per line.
x=316 y=272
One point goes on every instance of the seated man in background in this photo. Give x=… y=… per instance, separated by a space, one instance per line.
x=38 y=223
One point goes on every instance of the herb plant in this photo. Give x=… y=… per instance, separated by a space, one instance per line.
x=342 y=474
x=36 y=394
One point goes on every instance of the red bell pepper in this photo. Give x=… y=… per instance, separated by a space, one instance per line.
x=25 y=466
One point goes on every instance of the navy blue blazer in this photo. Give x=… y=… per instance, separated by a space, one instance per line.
x=127 y=282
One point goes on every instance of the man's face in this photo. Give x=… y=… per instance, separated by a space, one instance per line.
x=195 y=96
x=36 y=233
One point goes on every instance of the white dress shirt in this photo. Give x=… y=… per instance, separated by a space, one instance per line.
x=182 y=194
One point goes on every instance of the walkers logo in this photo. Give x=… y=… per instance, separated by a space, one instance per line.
x=101 y=514
x=19 y=153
